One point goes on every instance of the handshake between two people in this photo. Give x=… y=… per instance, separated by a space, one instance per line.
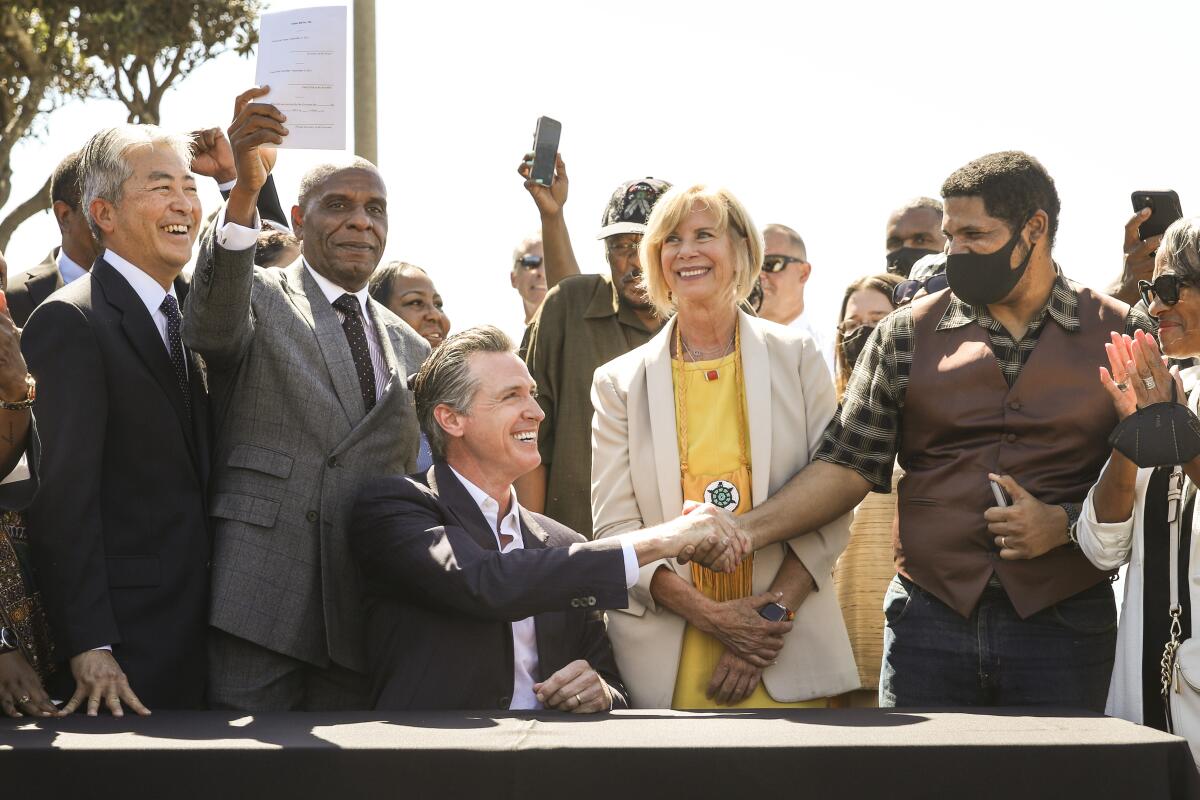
x=708 y=535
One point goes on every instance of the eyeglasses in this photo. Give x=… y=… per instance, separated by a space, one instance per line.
x=905 y=291
x=624 y=249
x=1165 y=288
x=530 y=261
x=775 y=264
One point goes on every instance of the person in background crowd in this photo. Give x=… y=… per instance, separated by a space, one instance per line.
x=865 y=568
x=26 y=649
x=71 y=259
x=585 y=321
x=719 y=407
x=409 y=293
x=1138 y=261
x=785 y=272
x=865 y=302
x=1126 y=519
x=275 y=248
x=312 y=371
x=514 y=618
x=528 y=276
x=122 y=544
x=914 y=230
x=992 y=374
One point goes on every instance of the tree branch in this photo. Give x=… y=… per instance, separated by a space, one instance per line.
x=40 y=201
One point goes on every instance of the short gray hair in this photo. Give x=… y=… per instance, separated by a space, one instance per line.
x=793 y=237
x=524 y=247
x=104 y=168
x=312 y=180
x=445 y=378
x=1181 y=244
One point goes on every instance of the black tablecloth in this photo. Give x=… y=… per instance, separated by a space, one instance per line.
x=781 y=755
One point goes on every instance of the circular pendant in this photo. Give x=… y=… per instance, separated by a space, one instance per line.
x=722 y=494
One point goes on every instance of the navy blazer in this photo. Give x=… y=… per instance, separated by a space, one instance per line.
x=440 y=597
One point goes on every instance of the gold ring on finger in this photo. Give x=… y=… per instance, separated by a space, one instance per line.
x=578 y=702
x=1004 y=542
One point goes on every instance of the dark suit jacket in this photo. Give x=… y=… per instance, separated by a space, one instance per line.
x=121 y=544
x=440 y=596
x=30 y=288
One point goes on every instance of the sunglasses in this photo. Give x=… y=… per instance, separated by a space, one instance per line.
x=774 y=264
x=1165 y=288
x=905 y=291
x=530 y=261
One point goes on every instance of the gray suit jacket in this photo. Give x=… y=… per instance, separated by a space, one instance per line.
x=293 y=447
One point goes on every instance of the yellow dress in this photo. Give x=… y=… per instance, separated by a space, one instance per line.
x=714 y=443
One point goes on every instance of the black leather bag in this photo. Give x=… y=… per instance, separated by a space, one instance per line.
x=1159 y=435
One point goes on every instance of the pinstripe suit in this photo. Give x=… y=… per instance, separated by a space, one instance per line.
x=293 y=447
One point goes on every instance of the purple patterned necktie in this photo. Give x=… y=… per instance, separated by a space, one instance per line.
x=356 y=336
x=170 y=310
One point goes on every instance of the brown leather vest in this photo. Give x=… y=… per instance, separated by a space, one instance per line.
x=961 y=421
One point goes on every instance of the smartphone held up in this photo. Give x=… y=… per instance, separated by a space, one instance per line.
x=1164 y=209
x=545 y=150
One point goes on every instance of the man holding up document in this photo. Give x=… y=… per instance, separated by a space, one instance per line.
x=310 y=376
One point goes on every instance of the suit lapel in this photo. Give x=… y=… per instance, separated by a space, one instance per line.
x=660 y=385
x=44 y=279
x=335 y=350
x=143 y=335
x=458 y=501
x=756 y=372
x=388 y=345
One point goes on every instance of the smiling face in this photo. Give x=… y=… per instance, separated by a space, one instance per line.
x=698 y=260
x=498 y=434
x=415 y=300
x=343 y=226
x=1178 y=325
x=157 y=219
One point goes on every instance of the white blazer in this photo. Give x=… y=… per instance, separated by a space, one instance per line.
x=1108 y=546
x=636 y=483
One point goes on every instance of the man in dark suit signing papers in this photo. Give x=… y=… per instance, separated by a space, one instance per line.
x=474 y=602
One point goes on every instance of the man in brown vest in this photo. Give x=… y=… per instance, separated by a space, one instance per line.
x=993 y=378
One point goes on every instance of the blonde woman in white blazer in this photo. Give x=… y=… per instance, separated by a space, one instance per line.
x=701 y=253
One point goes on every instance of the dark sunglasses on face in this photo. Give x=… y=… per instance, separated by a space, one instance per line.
x=530 y=261
x=905 y=291
x=779 y=263
x=1165 y=288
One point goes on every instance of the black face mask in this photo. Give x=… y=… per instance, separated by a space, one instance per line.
x=900 y=262
x=980 y=279
x=853 y=343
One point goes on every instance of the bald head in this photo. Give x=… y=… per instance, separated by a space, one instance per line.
x=312 y=180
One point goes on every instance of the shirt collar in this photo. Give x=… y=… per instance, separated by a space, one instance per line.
x=68 y=268
x=332 y=291
x=605 y=302
x=146 y=288
x=1062 y=305
x=485 y=501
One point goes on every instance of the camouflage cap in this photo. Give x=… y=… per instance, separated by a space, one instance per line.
x=630 y=206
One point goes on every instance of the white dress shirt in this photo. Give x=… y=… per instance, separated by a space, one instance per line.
x=524 y=633
x=233 y=236
x=68 y=269
x=824 y=343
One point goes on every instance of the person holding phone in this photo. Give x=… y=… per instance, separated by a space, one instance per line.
x=719 y=407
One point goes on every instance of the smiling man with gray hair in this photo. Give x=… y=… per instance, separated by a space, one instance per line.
x=474 y=601
x=122 y=545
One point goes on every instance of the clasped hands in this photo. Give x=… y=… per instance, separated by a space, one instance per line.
x=708 y=535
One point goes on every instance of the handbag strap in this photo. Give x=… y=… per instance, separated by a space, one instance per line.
x=1174 y=521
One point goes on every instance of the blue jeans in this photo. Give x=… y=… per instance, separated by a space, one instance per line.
x=1060 y=656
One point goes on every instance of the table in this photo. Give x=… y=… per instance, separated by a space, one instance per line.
x=793 y=753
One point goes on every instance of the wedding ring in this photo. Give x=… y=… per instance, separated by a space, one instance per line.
x=1122 y=387
x=1149 y=382
x=24 y=699
x=1003 y=542
x=578 y=702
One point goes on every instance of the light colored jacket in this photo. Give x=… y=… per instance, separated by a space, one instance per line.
x=294 y=445
x=636 y=483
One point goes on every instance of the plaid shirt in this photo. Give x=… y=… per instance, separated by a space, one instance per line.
x=864 y=435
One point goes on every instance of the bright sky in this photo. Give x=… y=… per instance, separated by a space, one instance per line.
x=821 y=116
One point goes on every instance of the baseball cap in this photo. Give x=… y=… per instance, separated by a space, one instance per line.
x=630 y=205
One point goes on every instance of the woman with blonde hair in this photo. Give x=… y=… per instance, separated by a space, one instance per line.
x=719 y=407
